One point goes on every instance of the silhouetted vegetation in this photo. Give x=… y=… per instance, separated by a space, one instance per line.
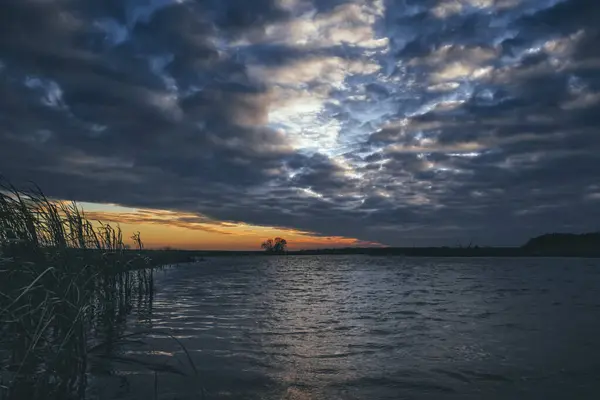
x=66 y=285
x=564 y=244
x=275 y=246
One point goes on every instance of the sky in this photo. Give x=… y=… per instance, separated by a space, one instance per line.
x=218 y=123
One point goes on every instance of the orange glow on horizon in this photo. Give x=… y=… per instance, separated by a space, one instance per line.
x=178 y=230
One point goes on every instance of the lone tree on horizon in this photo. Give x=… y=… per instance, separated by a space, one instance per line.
x=277 y=245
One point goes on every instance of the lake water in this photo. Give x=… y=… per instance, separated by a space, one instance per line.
x=363 y=327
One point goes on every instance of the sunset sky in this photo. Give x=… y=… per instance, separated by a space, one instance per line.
x=163 y=228
x=215 y=124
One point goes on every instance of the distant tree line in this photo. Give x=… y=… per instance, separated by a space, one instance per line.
x=564 y=243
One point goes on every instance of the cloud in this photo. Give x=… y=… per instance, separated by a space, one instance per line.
x=400 y=122
x=166 y=218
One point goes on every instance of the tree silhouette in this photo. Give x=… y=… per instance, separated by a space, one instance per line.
x=267 y=245
x=280 y=245
x=277 y=245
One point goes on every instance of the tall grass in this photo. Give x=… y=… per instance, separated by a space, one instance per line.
x=63 y=282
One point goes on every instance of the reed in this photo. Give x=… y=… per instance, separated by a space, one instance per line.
x=64 y=281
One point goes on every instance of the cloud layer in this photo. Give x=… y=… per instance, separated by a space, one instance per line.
x=402 y=122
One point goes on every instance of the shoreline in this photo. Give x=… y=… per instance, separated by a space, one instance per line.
x=394 y=252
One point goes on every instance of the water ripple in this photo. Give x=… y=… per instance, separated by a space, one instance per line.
x=374 y=328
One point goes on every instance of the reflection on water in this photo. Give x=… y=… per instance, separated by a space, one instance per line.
x=366 y=328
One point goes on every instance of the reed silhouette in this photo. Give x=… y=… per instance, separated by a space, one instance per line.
x=66 y=287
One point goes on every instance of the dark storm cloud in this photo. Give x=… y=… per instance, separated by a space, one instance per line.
x=405 y=122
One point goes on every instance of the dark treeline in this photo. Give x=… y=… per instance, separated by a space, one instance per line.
x=549 y=245
x=564 y=243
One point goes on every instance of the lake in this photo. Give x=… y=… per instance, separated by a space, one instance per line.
x=359 y=327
